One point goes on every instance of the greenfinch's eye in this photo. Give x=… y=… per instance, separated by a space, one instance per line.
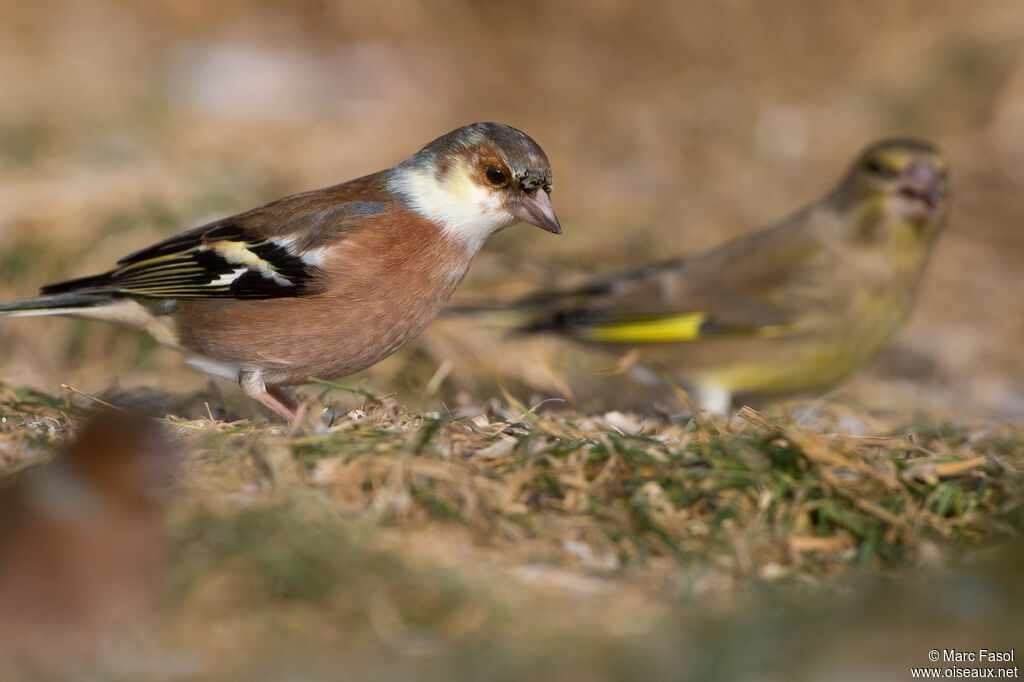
x=876 y=167
x=495 y=176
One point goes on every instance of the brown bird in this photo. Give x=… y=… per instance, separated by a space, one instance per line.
x=324 y=283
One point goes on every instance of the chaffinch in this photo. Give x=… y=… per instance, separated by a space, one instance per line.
x=796 y=305
x=323 y=283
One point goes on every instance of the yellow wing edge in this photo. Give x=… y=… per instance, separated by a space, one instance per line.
x=668 y=329
x=661 y=330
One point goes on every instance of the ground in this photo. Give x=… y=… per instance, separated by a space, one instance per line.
x=518 y=543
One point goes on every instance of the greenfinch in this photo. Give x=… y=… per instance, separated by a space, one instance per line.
x=796 y=305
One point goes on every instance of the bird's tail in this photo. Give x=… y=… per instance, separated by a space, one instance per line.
x=502 y=312
x=64 y=304
x=521 y=316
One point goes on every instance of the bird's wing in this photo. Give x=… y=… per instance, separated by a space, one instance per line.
x=746 y=287
x=271 y=252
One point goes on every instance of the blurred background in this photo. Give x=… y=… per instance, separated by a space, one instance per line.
x=670 y=127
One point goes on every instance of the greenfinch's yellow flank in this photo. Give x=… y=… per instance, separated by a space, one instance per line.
x=796 y=305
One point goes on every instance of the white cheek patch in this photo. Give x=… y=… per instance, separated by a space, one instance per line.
x=463 y=208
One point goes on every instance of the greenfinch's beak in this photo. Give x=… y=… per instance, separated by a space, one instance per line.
x=922 y=181
x=536 y=209
x=920 y=192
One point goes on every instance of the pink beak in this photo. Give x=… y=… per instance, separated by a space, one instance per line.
x=536 y=209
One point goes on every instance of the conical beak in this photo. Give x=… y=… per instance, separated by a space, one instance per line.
x=922 y=180
x=536 y=209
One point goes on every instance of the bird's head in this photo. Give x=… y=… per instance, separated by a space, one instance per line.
x=900 y=179
x=477 y=180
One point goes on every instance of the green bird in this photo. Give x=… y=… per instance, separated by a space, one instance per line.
x=799 y=304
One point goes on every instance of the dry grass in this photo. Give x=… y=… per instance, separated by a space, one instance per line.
x=392 y=537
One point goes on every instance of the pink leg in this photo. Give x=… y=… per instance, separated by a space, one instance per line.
x=274 y=397
x=278 y=401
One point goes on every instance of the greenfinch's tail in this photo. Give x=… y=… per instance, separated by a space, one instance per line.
x=503 y=315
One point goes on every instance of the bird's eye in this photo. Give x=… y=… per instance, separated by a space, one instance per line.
x=495 y=176
x=876 y=167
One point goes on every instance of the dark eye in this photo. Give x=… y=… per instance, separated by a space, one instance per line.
x=495 y=176
x=876 y=167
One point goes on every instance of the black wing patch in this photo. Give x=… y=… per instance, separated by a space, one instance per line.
x=215 y=261
x=223 y=260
